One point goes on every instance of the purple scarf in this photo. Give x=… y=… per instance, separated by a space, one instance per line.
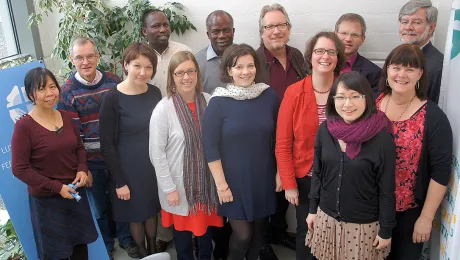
x=355 y=134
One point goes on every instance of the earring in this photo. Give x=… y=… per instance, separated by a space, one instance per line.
x=173 y=89
x=417 y=86
x=387 y=82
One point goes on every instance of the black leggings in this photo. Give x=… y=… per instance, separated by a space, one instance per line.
x=142 y=230
x=80 y=252
x=246 y=239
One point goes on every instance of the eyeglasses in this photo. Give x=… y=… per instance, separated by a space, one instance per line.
x=322 y=51
x=352 y=35
x=182 y=73
x=414 y=23
x=342 y=99
x=89 y=58
x=281 y=26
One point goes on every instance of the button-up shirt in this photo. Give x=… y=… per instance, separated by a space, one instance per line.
x=209 y=64
x=281 y=78
x=349 y=63
x=87 y=83
x=161 y=77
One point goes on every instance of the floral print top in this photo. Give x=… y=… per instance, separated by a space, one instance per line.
x=408 y=135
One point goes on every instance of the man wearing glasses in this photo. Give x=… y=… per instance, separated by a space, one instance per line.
x=351 y=30
x=417 y=22
x=281 y=65
x=81 y=95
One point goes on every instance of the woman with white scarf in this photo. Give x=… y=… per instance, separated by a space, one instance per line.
x=239 y=136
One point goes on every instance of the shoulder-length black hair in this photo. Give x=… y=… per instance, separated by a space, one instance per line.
x=353 y=81
x=36 y=78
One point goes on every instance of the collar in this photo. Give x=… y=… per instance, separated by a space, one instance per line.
x=421 y=47
x=270 y=58
x=352 y=59
x=87 y=83
x=165 y=51
x=210 y=53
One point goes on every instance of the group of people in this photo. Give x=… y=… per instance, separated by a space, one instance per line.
x=215 y=146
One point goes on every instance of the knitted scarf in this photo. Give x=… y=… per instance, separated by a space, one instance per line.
x=200 y=189
x=355 y=134
x=240 y=93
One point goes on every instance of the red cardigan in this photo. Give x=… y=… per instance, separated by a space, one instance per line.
x=295 y=132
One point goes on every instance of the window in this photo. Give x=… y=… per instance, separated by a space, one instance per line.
x=8 y=39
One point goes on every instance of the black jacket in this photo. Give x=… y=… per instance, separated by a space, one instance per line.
x=297 y=60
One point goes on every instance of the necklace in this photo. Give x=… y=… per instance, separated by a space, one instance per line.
x=56 y=128
x=321 y=92
x=408 y=105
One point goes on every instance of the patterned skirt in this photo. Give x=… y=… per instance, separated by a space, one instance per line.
x=60 y=224
x=336 y=240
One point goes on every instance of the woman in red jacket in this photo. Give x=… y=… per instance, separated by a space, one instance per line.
x=300 y=114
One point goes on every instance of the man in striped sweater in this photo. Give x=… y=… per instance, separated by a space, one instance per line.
x=81 y=95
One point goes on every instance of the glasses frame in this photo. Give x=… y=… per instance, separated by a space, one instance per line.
x=89 y=58
x=280 y=26
x=352 y=35
x=189 y=72
x=330 y=52
x=351 y=98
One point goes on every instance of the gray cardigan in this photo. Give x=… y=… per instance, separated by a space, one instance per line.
x=166 y=148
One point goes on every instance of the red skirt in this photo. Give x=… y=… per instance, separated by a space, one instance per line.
x=197 y=224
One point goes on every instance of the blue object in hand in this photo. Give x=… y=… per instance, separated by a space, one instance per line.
x=75 y=195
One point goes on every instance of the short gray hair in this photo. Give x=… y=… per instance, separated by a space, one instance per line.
x=80 y=40
x=214 y=14
x=413 y=5
x=271 y=8
x=352 y=17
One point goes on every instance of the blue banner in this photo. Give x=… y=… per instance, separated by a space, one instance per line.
x=13 y=104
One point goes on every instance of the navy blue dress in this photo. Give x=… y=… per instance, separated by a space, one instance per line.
x=241 y=133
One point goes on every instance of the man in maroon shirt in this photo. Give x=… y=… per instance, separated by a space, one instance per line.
x=282 y=65
x=351 y=30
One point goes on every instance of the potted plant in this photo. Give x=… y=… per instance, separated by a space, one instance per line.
x=113 y=28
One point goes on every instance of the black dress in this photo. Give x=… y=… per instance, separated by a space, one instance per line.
x=132 y=155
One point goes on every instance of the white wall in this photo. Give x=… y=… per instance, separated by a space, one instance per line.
x=307 y=17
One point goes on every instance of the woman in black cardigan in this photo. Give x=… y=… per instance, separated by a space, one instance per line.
x=352 y=207
x=423 y=138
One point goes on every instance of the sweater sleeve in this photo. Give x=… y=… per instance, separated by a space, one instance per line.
x=439 y=145
x=108 y=131
x=386 y=184
x=21 y=148
x=81 y=152
x=66 y=103
x=158 y=141
x=212 y=128
x=285 y=140
x=315 y=187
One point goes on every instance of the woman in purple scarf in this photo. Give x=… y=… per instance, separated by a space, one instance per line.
x=352 y=197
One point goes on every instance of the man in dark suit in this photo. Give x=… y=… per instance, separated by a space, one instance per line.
x=417 y=22
x=351 y=30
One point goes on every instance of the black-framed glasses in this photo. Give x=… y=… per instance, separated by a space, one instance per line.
x=280 y=26
x=322 y=51
x=182 y=73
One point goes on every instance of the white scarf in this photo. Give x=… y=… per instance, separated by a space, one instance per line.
x=240 y=93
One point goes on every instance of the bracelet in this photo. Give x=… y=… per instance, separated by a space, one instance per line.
x=223 y=190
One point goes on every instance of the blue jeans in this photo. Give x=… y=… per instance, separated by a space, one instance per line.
x=98 y=196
